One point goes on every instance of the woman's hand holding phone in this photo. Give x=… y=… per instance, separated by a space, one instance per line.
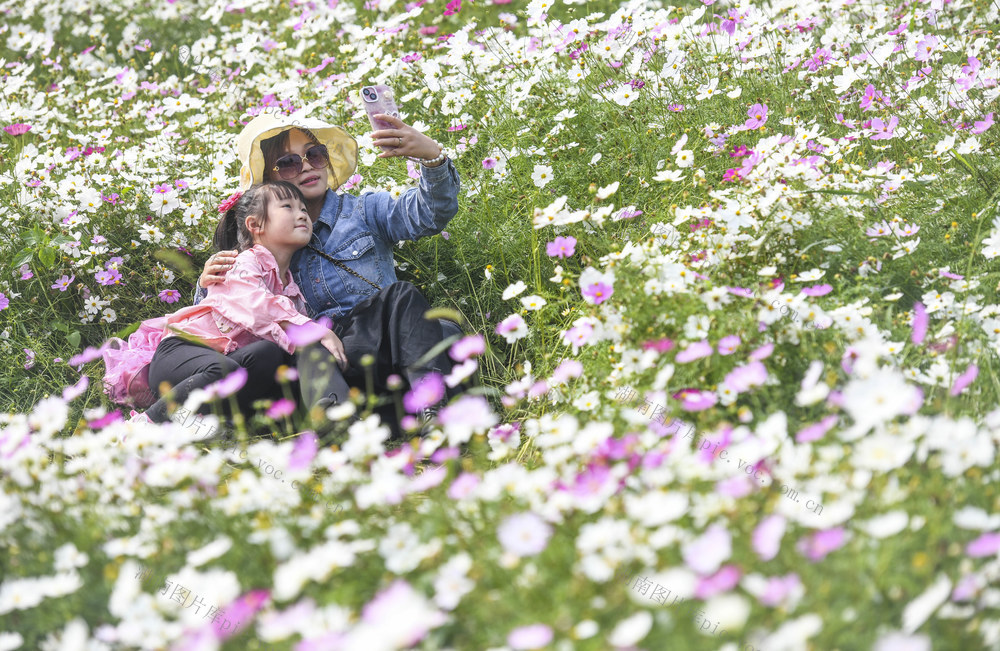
x=403 y=140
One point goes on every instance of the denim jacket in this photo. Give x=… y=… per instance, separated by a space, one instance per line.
x=360 y=233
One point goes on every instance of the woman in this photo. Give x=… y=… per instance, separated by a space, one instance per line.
x=347 y=271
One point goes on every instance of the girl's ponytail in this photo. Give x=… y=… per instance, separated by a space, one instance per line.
x=226 y=232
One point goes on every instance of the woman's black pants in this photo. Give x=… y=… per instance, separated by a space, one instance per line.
x=187 y=366
x=390 y=326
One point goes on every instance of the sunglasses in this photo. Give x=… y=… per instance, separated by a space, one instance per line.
x=290 y=165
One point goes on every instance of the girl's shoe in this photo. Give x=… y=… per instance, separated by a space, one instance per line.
x=138 y=417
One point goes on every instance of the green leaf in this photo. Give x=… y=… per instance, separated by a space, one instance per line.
x=24 y=257
x=74 y=338
x=47 y=256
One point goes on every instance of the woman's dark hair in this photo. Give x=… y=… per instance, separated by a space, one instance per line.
x=232 y=231
x=275 y=147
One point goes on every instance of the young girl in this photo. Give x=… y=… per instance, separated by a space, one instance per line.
x=241 y=323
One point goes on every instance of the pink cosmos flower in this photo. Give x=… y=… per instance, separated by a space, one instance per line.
x=453 y=7
x=964 y=380
x=489 y=163
x=568 y=368
x=303 y=451
x=762 y=353
x=707 y=552
x=757 y=117
x=925 y=48
x=105 y=420
x=463 y=486
x=305 y=334
x=89 y=354
x=919 y=323
x=26 y=273
x=69 y=393
x=242 y=610
x=987 y=544
x=816 y=431
x=108 y=277
x=818 y=545
x=29 y=358
x=766 y=539
x=722 y=581
x=281 y=408
x=169 y=295
x=578 y=336
x=561 y=247
x=817 y=290
x=743 y=378
x=18 y=129
x=428 y=391
x=729 y=344
x=466 y=347
x=695 y=400
x=982 y=125
x=465 y=416
x=524 y=534
x=63 y=283
x=780 y=588
x=512 y=328
x=535 y=636
x=882 y=130
x=228 y=385
x=597 y=293
x=695 y=351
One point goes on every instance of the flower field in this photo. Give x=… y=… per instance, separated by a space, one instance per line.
x=730 y=276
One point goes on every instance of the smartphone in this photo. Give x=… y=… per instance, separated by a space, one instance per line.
x=378 y=99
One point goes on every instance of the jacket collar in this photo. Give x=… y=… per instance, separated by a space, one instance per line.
x=270 y=266
x=331 y=209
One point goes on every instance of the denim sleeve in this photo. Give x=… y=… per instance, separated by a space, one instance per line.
x=199 y=293
x=418 y=212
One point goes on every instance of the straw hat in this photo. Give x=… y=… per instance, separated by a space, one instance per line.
x=342 y=147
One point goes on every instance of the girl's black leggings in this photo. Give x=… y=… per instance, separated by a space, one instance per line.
x=187 y=366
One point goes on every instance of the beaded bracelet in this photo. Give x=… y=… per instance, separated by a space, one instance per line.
x=430 y=161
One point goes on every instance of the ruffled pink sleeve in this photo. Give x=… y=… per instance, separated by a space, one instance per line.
x=246 y=299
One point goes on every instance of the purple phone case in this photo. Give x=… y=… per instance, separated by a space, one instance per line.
x=378 y=99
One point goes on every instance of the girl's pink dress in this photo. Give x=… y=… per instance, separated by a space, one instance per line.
x=244 y=308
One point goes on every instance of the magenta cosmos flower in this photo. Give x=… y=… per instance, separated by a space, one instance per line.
x=18 y=129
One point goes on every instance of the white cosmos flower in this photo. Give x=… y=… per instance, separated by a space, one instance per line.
x=879 y=398
x=886 y=525
x=809 y=276
x=882 y=452
x=533 y=302
x=685 y=158
x=541 y=176
x=625 y=95
x=632 y=630
x=668 y=176
x=609 y=190
x=513 y=290
x=920 y=609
